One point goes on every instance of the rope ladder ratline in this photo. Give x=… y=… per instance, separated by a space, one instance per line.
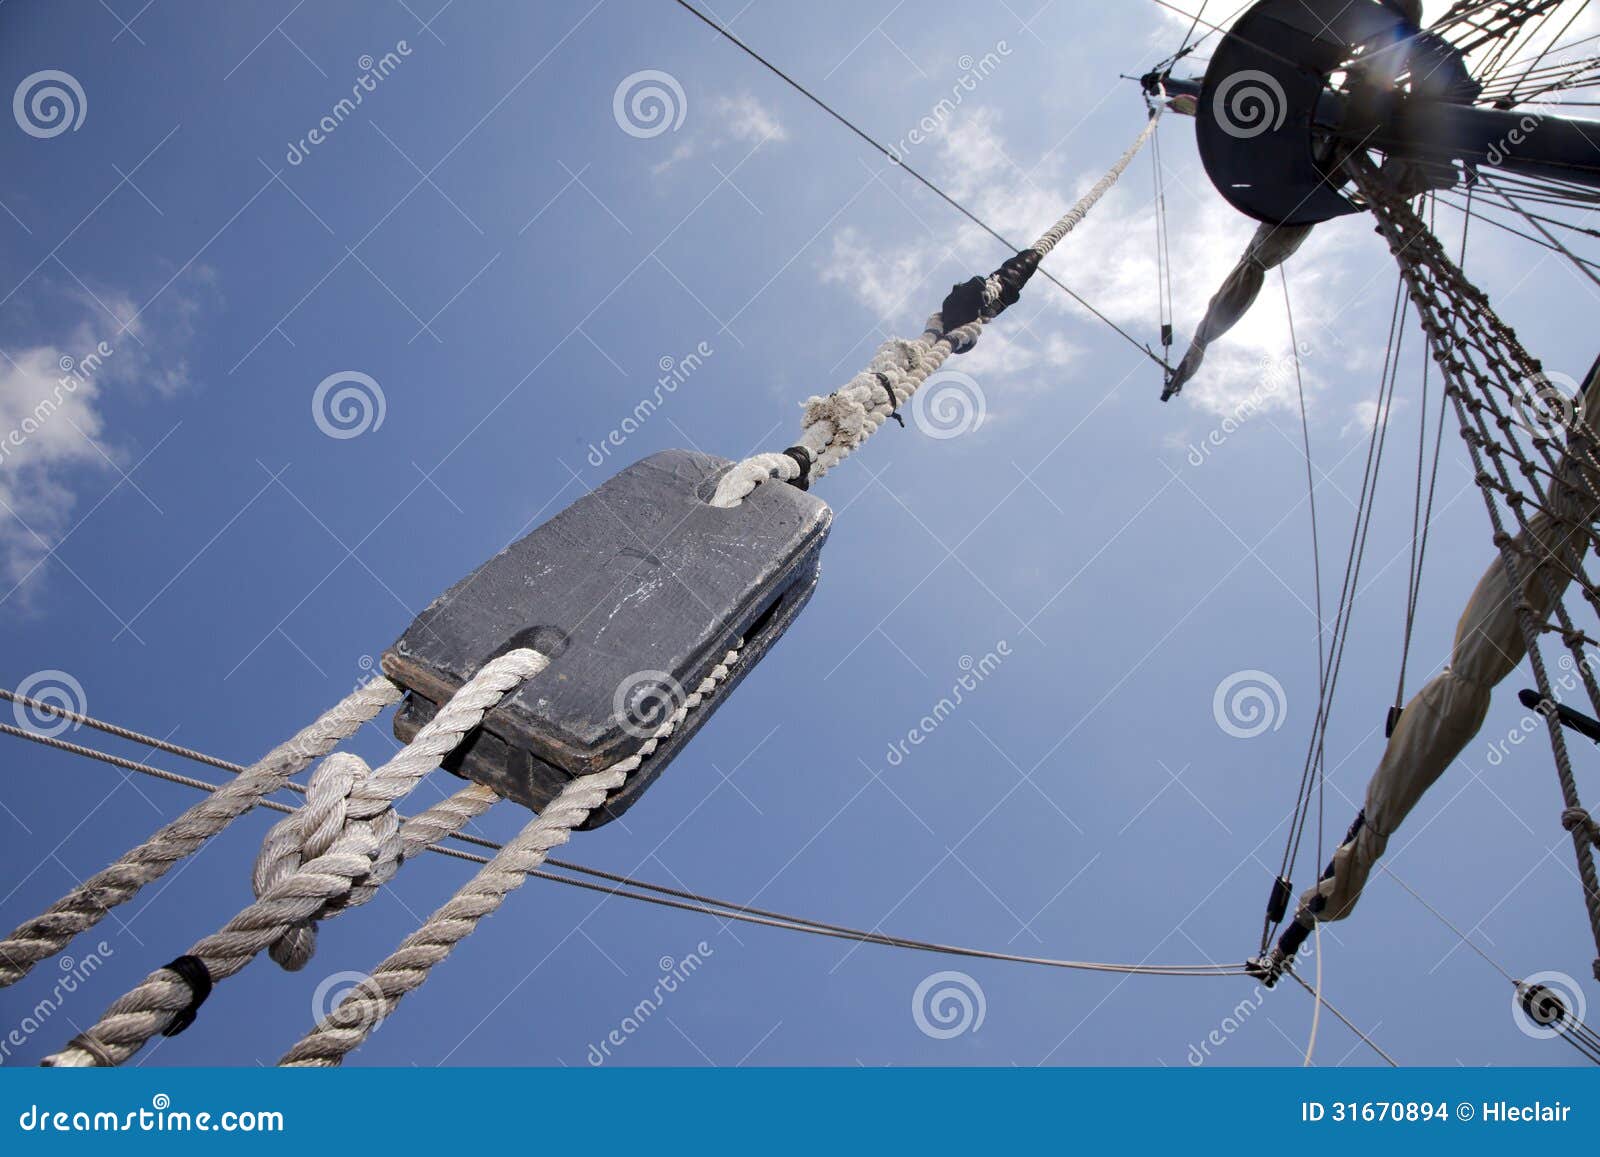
x=1484 y=369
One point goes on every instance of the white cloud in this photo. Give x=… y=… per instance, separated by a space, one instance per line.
x=54 y=433
x=741 y=120
x=1110 y=260
x=747 y=119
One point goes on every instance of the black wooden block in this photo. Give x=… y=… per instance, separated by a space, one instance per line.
x=635 y=591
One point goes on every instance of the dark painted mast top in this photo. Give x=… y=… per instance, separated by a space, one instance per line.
x=1297 y=85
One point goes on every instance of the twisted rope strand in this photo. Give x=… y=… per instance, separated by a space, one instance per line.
x=314 y=867
x=835 y=425
x=369 y=1003
x=86 y=905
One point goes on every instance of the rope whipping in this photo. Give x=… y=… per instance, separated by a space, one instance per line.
x=835 y=425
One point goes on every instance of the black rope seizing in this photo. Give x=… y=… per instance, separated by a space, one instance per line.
x=802 y=458
x=193 y=972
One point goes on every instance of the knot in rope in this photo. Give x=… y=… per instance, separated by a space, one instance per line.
x=1576 y=819
x=366 y=830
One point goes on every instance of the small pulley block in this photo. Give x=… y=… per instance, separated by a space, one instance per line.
x=635 y=592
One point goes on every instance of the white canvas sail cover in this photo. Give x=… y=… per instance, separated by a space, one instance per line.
x=1271 y=246
x=1443 y=717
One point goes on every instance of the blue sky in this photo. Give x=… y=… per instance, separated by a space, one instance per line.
x=484 y=240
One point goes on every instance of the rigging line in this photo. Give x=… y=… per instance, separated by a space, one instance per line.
x=1164 y=316
x=1509 y=38
x=1346 y=1021
x=1311 y=491
x=1577 y=262
x=1448 y=923
x=1487 y=220
x=1550 y=47
x=1563 y=76
x=1568 y=225
x=1550 y=188
x=1421 y=515
x=1367 y=503
x=682 y=899
x=1581 y=1036
x=1364 y=507
x=1193 y=24
x=1298 y=66
x=120 y=732
x=889 y=154
x=1316 y=1005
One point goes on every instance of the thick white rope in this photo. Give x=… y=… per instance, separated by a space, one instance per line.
x=313 y=864
x=82 y=908
x=369 y=1003
x=835 y=425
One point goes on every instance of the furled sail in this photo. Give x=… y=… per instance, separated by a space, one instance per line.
x=1271 y=246
x=1447 y=712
